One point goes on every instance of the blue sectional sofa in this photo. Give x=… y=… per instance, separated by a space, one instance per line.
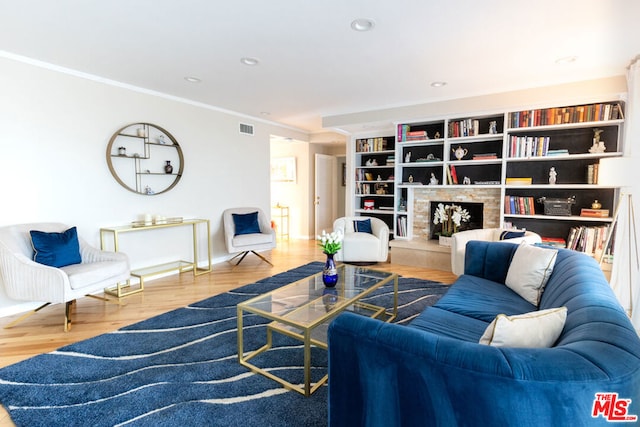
x=435 y=373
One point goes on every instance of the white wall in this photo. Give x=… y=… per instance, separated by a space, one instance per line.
x=54 y=130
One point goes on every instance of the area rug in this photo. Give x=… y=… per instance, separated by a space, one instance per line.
x=181 y=368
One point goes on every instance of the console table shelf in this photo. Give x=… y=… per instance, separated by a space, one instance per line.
x=180 y=266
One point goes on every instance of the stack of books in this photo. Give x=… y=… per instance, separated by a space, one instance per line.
x=556 y=242
x=485 y=156
x=595 y=213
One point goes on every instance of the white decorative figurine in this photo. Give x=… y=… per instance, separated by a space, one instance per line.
x=407 y=157
x=433 y=180
x=552 y=175
x=598 y=146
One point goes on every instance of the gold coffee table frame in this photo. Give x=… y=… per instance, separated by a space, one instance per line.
x=301 y=311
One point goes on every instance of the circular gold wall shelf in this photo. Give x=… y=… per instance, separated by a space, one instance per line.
x=145 y=158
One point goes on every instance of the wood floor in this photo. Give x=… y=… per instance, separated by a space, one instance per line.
x=43 y=332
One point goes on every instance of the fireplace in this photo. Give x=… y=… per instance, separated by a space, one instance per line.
x=475 y=212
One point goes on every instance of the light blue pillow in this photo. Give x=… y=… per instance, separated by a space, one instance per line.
x=246 y=223
x=56 y=249
x=362 y=226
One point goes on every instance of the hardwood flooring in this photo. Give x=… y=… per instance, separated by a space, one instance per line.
x=43 y=332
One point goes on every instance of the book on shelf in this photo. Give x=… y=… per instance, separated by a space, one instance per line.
x=449 y=178
x=401 y=228
x=518 y=181
x=370 y=145
x=565 y=115
x=592 y=173
x=588 y=239
x=454 y=175
x=518 y=205
x=595 y=213
x=556 y=242
x=484 y=156
x=528 y=146
x=462 y=128
x=558 y=152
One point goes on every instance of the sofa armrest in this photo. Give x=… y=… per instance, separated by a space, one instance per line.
x=90 y=254
x=27 y=280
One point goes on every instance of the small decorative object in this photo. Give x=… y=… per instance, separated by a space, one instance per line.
x=329 y=298
x=598 y=146
x=148 y=190
x=493 y=127
x=381 y=188
x=371 y=162
x=596 y=204
x=122 y=151
x=141 y=132
x=459 y=152
x=431 y=157
x=450 y=217
x=407 y=157
x=437 y=135
x=402 y=204
x=379 y=178
x=466 y=180
x=433 y=180
x=369 y=205
x=552 y=175
x=410 y=178
x=168 y=168
x=161 y=140
x=330 y=244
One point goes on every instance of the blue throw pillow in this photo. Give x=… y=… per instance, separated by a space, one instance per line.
x=56 y=249
x=511 y=235
x=246 y=223
x=362 y=226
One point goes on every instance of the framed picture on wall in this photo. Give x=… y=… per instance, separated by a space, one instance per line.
x=283 y=169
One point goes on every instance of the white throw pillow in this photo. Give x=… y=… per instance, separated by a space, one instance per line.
x=529 y=271
x=537 y=329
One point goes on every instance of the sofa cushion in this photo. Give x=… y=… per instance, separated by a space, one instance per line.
x=246 y=223
x=56 y=249
x=529 y=271
x=482 y=299
x=511 y=234
x=362 y=226
x=536 y=329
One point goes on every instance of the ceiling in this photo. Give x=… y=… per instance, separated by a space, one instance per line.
x=312 y=64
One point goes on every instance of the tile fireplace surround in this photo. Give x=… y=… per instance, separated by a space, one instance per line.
x=421 y=251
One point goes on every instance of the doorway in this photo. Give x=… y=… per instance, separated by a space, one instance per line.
x=325 y=197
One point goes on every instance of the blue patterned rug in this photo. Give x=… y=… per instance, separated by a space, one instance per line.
x=181 y=369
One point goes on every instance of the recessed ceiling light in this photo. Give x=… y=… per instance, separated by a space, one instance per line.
x=192 y=79
x=363 y=24
x=248 y=60
x=566 y=60
x=438 y=84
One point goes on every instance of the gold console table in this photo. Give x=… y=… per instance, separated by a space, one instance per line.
x=180 y=265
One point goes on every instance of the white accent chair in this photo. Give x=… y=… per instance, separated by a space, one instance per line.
x=460 y=239
x=362 y=247
x=26 y=280
x=243 y=244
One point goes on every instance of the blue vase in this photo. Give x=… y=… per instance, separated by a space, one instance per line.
x=330 y=272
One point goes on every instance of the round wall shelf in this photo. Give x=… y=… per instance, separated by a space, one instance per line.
x=145 y=158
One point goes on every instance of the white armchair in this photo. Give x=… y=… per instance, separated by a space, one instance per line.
x=459 y=243
x=26 y=280
x=359 y=246
x=256 y=235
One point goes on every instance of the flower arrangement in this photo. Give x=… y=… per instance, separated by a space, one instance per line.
x=330 y=243
x=450 y=216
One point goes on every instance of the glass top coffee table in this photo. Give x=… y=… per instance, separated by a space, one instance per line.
x=304 y=309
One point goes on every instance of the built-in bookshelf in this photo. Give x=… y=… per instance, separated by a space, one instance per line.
x=374 y=190
x=529 y=156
